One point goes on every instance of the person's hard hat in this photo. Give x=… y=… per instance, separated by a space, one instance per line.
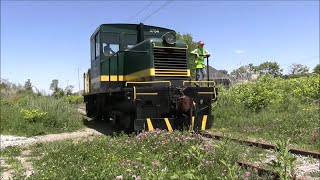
x=200 y=43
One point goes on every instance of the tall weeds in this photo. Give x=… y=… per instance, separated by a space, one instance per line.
x=271 y=109
x=17 y=112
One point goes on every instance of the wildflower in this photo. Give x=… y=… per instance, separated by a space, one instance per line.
x=119 y=177
x=164 y=169
x=136 y=177
x=207 y=146
x=155 y=163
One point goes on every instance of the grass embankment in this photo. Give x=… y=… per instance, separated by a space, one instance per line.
x=153 y=155
x=25 y=113
x=271 y=109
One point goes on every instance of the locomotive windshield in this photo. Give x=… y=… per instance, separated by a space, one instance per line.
x=110 y=43
x=128 y=40
x=113 y=42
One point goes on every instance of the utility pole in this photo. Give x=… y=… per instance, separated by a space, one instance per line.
x=79 y=82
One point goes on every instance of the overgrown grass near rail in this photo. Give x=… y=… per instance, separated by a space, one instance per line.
x=153 y=155
x=271 y=109
x=25 y=113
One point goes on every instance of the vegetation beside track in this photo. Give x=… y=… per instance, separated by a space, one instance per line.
x=271 y=109
x=26 y=113
x=152 y=155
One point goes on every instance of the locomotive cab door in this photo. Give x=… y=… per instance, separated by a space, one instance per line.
x=95 y=62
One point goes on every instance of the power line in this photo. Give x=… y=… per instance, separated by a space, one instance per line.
x=165 y=4
x=140 y=11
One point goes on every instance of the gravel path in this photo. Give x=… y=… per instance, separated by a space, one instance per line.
x=9 y=140
x=304 y=165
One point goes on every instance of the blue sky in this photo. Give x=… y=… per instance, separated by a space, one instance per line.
x=44 y=40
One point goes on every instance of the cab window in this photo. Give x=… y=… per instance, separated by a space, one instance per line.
x=97 y=40
x=110 y=43
x=93 y=56
x=128 y=41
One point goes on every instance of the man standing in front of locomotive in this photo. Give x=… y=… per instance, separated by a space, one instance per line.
x=200 y=53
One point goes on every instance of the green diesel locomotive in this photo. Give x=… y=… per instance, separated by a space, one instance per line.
x=139 y=80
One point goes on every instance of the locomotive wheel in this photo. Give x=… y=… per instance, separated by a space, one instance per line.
x=97 y=113
x=90 y=108
x=115 y=120
x=123 y=121
x=129 y=125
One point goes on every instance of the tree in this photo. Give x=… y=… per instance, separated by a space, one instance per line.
x=4 y=84
x=251 y=68
x=298 y=69
x=239 y=72
x=244 y=70
x=317 y=69
x=271 y=68
x=225 y=72
x=69 y=90
x=57 y=92
x=191 y=46
x=54 y=85
x=28 y=85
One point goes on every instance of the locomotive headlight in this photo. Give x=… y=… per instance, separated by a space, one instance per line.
x=169 y=38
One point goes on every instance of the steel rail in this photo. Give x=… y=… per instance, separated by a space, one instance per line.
x=263 y=145
x=261 y=170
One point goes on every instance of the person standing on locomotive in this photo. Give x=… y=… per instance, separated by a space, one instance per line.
x=199 y=53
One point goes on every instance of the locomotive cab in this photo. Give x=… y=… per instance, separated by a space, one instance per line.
x=140 y=79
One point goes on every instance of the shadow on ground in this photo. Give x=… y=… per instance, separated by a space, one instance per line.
x=102 y=127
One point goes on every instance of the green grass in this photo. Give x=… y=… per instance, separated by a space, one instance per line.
x=315 y=174
x=59 y=116
x=155 y=155
x=10 y=151
x=299 y=124
x=11 y=155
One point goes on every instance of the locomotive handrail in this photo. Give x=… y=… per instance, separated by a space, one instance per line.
x=146 y=82
x=210 y=93
x=200 y=82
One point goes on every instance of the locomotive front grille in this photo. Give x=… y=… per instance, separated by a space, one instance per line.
x=170 y=63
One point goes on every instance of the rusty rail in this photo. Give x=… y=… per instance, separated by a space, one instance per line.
x=261 y=171
x=263 y=145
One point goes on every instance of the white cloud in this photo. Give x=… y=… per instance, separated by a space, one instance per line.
x=239 y=51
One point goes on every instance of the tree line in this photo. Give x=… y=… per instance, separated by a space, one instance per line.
x=268 y=67
x=57 y=91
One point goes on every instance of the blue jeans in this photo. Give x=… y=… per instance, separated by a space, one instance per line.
x=201 y=73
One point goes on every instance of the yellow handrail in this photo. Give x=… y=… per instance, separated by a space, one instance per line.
x=148 y=82
x=214 y=89
x=134 y=93
x=199 y=82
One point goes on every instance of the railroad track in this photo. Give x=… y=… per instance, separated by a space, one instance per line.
x=263 y=145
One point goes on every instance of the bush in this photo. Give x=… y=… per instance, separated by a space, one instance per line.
x=74 y=99
x=271 y=108
x=268 y=90
x=35 y=115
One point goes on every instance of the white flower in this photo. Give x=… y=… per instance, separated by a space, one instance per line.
x=119 y=177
